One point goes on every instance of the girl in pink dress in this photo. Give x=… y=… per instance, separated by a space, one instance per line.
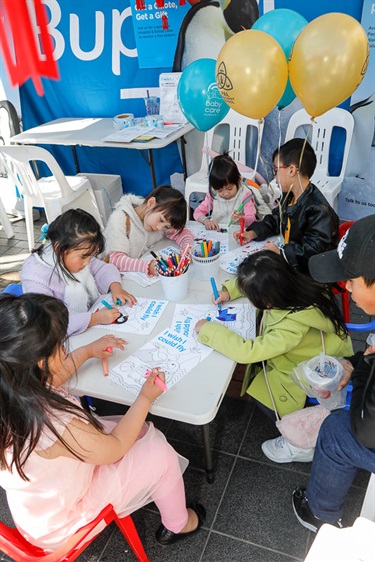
x=60 y=466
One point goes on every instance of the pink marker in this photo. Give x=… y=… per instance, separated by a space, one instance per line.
x=158 y=381
x=105 y=362
x=184 y=253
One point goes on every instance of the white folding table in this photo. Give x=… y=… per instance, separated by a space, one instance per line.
x=195 y=399
x=90 y=131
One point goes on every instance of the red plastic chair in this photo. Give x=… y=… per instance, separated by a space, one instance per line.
x=14 y=545
x=345 y=296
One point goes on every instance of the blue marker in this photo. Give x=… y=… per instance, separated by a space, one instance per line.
x=107 y=305
x=215 y=292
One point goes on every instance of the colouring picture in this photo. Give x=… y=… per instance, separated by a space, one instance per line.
x=174 y=354
x=141 y=318
x=239 y=318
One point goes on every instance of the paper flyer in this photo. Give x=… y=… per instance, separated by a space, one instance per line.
x=175 y=354
x=231 y=260
x=200 y=233
x=239 y=318
x=141 y=317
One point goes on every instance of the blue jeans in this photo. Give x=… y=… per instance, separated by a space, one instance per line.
x=338 y=456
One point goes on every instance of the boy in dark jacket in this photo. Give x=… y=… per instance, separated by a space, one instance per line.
x=346 y=440
x=304 y=217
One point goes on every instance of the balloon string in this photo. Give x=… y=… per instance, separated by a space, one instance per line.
x=260 y=123
x=208 y=167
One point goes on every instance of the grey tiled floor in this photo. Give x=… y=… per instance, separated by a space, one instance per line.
x=249 y=513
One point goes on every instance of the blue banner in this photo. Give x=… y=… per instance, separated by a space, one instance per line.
x=97 y=55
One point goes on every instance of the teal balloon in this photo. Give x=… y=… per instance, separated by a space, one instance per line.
x=283 y=25
x=287 y=97
x=199 y=97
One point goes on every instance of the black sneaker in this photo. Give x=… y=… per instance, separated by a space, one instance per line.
x=304 y=514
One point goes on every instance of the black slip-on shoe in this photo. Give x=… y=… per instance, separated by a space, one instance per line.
x=166 y=537
x=304 y=514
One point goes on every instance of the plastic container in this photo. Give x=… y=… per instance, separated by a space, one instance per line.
x=152 y=105
x=107 y=190
x=205 y=268
x=323 y=374
x=175 y=289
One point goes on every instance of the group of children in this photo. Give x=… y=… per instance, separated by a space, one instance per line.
x=50 y=446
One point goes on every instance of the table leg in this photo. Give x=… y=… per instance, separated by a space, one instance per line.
x=150 y=163
x=76 y=163
x=183 y=155
x=152 y=168
x=210 y=473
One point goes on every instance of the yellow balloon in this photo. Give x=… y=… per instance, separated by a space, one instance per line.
x=328 y=62
x=251 y=73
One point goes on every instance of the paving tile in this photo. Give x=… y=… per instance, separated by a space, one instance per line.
x=257 y=507
x=226 y=430
x=221 y=548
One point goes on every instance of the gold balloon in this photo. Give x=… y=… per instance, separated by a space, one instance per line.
x=328 y=62
x=251 y=73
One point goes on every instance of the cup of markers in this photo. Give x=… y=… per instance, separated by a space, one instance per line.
x=173 y=273
x=206 y=256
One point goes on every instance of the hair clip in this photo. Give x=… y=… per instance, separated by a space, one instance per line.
x=44 y=231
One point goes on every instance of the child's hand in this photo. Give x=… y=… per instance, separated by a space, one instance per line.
x=370 y=349
x=247 y=236
x=271 y=246
x=199 y=325
x=210 y=224
x=236 y=217
x=104 y=316
x=98 y=348
x=348 y=369
x=152 y=268
x=150 y=390
x=119 y=294
x=224 y=296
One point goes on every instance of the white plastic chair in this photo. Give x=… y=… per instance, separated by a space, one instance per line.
x=56 y=193
x=243 y=132
x=319 y=136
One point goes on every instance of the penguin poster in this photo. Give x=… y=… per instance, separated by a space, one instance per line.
x=156 y=27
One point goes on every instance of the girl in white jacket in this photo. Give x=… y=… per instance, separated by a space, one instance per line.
x=138 y=223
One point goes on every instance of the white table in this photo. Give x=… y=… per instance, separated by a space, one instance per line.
x=90 y=131
x=195 y=399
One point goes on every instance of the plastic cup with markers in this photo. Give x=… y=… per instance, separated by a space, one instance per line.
x=206 y=259
x=152 y=105
x=173 y=273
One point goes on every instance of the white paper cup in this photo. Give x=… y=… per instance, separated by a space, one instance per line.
x=205 y=268
x=175 y=289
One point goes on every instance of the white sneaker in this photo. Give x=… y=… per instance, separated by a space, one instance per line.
x=280 y=450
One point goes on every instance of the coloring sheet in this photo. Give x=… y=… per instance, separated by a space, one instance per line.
x=142 y=279
x=239 y=318
x=200 y=233
x=173 y=353
x=141 y=317
x=230 y=261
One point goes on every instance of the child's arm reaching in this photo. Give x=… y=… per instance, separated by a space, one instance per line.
x=79 y=356
x=248 y=212
x=183 y=238
x=124 y=263
x=95 y=447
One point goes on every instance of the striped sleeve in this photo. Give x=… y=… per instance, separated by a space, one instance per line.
x=183 y=238
x=124 y=263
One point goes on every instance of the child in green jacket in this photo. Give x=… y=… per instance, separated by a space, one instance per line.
x=295 y=310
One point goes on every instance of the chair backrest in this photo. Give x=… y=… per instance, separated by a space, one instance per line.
x=13 y=544
x=238 y=135
x=17 y=159
x=320 y=134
